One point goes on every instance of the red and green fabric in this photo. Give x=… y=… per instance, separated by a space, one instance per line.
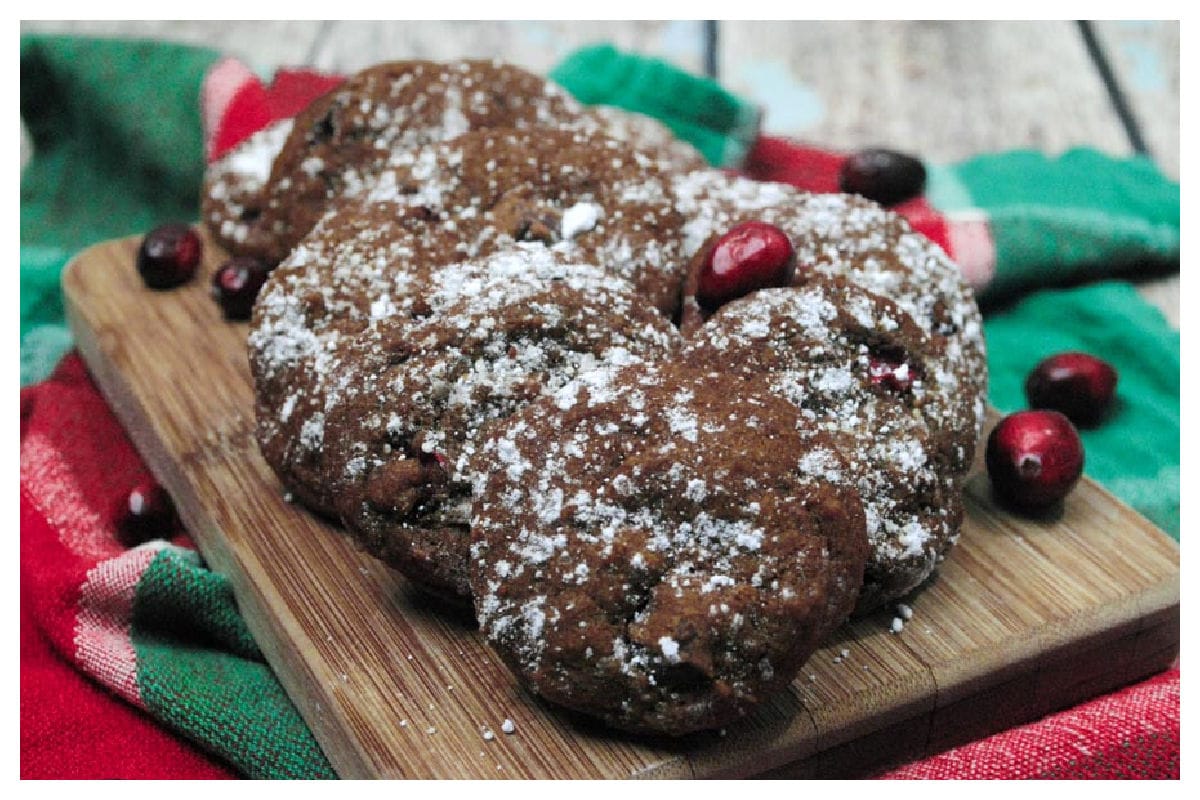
x=134 y=660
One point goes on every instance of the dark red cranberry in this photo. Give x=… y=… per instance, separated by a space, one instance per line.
x=749 y=256
x=168 y=256
x=146 y=513
x=890 y=369
x=1034 y=459
x=885 y=176
x=1077 y=384
x=235 y=285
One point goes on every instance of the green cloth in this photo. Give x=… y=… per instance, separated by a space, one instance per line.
x=719 y=124
x=118 y=149
x=200 y=672
x=1135 y=451
x=1063 y=219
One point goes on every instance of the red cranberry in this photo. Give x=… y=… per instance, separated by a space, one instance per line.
x=890 y=370
x=1077 y=384
x=747 y=257
x=1034 y=458
x=146 y=513
x=235 y=285
x=168 y=256
x=885 y=176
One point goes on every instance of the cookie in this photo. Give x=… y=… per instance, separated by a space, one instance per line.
x=662 y=547
x=496 y=335
x=840 y=235
x=231 y=201
x=647 y=135
x=594 y=199
x=263 y=197
x=859 y=368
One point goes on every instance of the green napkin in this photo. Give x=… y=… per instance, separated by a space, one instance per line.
x=1135 y=451
x=118 y=149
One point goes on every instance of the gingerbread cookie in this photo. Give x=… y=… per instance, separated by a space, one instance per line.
x=267 y=193
x=595 y=200
x=859 y=368
x=662 y=547
x=496 y=334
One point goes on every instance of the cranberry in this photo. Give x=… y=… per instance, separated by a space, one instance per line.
x=885 y=176
x=888 y=367
x=146 y=513
x=1077 y=384
x=235 y=285
x=749 y=256
x=168 y=256
x=1034 y=458
x=892 y=375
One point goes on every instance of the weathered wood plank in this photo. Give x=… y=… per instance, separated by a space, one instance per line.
x=945 y=90
x=1145 y=60
x=537 y=46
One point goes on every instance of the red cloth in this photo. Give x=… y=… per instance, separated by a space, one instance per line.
x=73 y=728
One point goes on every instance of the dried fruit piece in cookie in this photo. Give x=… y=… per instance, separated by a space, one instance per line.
x=660 y=547
x=747 y=257
x=859 y=368
x=415 y=395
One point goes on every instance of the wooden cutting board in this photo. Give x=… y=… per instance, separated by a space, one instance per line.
x=1025 y=617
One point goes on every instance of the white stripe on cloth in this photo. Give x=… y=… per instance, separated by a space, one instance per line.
x=971 y=246
x=104 y=624
x=222 y=83
x=51 y=487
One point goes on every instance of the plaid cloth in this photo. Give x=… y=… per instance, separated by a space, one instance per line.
x=134 y=660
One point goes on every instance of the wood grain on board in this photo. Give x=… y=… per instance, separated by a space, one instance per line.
x=1025 y=617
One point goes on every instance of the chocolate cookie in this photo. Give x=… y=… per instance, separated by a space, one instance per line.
x=647 y=135
x=417 y=395
x=263 y=197
x=595 y=200
x=849 y=236
x=859 y=368
x=343 y=140
x=231 y=201
x=662 y=547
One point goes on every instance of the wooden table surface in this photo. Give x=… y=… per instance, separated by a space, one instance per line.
x=945 y=90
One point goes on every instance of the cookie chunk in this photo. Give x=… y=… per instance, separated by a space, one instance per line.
x=595 y=200
x=416 y=395
x=662 y=547
x=856 y=366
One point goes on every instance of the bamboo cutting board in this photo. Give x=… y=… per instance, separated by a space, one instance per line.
x=1026 y=616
